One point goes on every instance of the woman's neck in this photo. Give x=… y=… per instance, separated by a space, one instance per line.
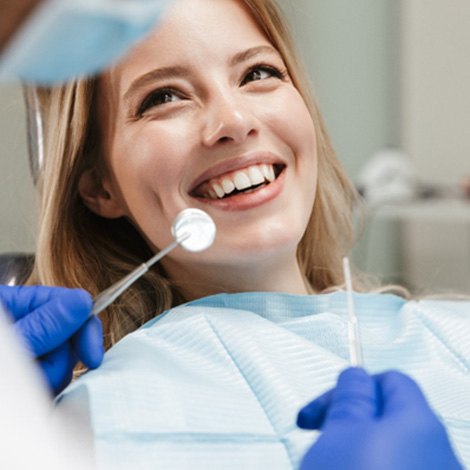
x=201 y=281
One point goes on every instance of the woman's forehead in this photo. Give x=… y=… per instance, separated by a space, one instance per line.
x=194 y=31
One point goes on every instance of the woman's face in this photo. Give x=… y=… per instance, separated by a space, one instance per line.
x=204 y=114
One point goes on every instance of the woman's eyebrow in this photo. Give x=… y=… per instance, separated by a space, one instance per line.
x=153 y=76
x=252 y=52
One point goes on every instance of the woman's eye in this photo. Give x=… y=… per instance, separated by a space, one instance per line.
x=158 y=98
x=261 y=72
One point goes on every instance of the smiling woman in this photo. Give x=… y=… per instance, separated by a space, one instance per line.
x=212 y=111
x=204 y=110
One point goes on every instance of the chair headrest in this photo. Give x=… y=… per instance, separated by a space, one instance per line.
x=15 y=268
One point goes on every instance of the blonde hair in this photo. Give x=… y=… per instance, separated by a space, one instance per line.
x=77 y=248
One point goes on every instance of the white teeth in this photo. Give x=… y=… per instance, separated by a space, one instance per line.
x=265 y=170
x=255 y=175
x=228 y=185
x=241 y=180
x=271 y=176
x=212 y=194
x=218 y=189
x=268 y=172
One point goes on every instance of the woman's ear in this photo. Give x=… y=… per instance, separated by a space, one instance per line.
x=97 y=197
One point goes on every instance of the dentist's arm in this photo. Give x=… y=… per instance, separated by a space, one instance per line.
x=39 y=38
x=53 y=323
x=375 y=422
x=12 y=16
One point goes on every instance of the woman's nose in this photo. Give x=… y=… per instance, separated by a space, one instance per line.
x=228 y=119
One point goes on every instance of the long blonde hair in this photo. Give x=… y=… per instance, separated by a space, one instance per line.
x=77 y=248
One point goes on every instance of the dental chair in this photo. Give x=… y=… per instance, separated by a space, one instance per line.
x=15 y=268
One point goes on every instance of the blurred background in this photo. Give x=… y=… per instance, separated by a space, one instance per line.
x=392 y=78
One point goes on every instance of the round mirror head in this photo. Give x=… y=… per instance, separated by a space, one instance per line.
x=194 y=229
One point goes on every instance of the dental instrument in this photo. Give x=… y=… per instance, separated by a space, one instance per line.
x=355 y=351
x=193 y=229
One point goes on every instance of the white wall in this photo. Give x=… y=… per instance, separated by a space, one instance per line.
x=351 y=49
x=435 y=130
x=436 y=87
x=391 y=72
x=17 y=205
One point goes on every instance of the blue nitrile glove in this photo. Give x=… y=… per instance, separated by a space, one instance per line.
x=375 y=422
x=53 y=323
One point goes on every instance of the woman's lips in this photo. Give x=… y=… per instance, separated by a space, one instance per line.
x=251 y=197
x=232 y=165
x=231 y=183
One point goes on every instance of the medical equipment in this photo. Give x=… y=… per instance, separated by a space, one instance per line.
x=193 y=229
x=388 y=177
x=63 y=39
x=35 y=131
x=355 y=353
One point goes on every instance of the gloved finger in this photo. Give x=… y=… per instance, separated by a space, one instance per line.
x=57 y=366
x=22 y=300
x=312 y=415
x=88 y=343
x=55 y=322
x=406 y=404
x=8 y=294
x=401 y=394
x=356 y=397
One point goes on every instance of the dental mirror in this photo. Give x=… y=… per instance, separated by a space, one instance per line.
x=193 y=229
x=200 y=227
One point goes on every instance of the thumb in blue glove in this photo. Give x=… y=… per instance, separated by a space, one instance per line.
x=370 y=422
x=53 y=323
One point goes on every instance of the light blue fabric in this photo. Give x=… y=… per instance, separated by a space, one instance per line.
x=217 y=383
x=68 y=39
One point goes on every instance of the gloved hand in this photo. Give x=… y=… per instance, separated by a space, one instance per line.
x=53 y=323
x=375 y=422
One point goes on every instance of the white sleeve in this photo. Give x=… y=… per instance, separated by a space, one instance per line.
x=29 y=434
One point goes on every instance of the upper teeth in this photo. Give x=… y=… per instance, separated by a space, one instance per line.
x=240 y=179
